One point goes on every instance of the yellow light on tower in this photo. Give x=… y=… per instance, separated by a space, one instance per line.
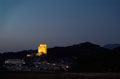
x=42 y=49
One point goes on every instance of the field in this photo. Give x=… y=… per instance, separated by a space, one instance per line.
x=56 y=75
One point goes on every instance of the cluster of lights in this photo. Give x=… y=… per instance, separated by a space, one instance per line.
x=42 y=49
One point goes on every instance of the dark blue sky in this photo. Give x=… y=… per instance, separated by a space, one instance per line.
x=24 y=24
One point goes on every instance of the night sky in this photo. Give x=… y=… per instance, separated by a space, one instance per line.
x=24 y=24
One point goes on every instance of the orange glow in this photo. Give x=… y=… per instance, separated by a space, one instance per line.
x=39 y=54
x=42 y=49
x=28 y=55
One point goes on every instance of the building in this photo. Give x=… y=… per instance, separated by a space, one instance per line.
x=42 y=49
x=14 y=61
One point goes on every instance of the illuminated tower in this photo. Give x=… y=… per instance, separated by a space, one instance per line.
x=42 y=49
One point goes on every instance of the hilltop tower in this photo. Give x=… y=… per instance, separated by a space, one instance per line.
x=42 y=49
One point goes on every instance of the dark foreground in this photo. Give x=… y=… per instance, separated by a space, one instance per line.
x=56 y=75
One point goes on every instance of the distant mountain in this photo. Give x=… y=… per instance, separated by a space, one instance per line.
x=111 y=46
x=85 y=48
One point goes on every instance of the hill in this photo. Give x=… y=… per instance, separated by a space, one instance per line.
x=111 y=46
x=85 y=48
x=106 y=62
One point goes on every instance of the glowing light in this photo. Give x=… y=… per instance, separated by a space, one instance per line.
x=28 y=55
x=39 y=54
x=6 y=61
x=67 y=67
x=54 y=64
x=42 y=49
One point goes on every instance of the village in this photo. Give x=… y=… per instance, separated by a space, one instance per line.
x=38 y=62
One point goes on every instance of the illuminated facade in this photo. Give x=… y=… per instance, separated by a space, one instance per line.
x=42 y=49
